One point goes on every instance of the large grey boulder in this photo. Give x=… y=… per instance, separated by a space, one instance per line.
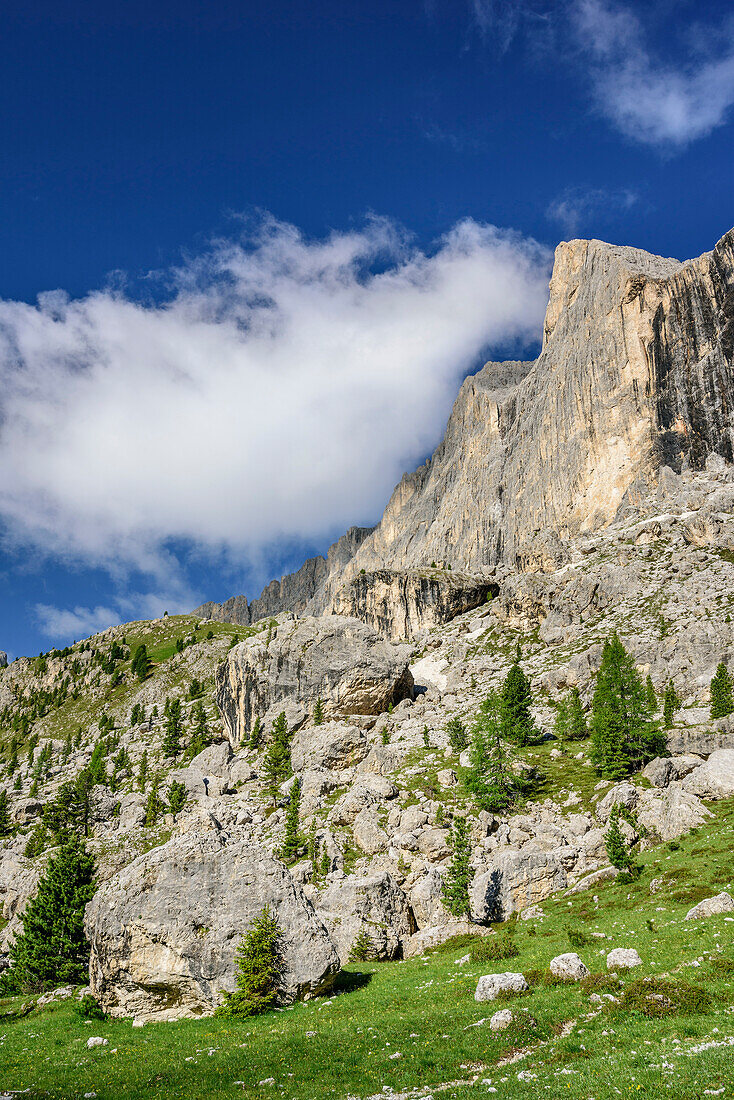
x=715 y=778
x=341 y=661
x=623 y=958
x=333 y=745
x=515 y=881
x=164 y=931
x=490 y=986
x=670 y=813
x=371 y=903
x=711 y=907
x=570 y=967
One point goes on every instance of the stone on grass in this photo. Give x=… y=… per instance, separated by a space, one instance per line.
x=710 y=907
x=96 y=1041
x=490 y=986
x=623 y=958
x=501 y=1020
x=569 y=967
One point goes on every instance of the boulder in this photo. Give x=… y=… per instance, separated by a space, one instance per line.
x=501 y=1020
x=371 y=903
x=711 y=907
x=341 y=661
x=623 y=958
x=366 y=791
x=490 y=986
x=427 y=938
x=660 y=771
x=426 y=900
x=368 y=835
x=333 y=745
x=515 y=881
x=569 y=967
x=670 y=813
x=164 y=932
x=715 y=778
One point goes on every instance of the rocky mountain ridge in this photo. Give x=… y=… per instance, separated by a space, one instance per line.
x=635 y=375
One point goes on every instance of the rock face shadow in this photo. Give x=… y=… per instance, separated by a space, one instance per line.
x=347 y=981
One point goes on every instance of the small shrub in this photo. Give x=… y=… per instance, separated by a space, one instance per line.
x=363 y=949
x=494 y=948
x=657 y=997
x=260 y=968
x=577 y=938
x=600 y=983
x=89 y=1008
x=723 y=967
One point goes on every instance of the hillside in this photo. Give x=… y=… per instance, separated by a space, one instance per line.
x=585 y=497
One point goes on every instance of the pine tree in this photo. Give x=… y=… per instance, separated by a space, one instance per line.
x=293 y=840
x=141 y=663
x=618 y=851
x=457 y=733
x=455 y=889
x=256 y=733
x=516 y=697
x=260 y=968
x=6 y=825
x=570 y=721
x=650 y=695
x=722 y=697
x=671 y=703
x=622 y=734
x=318 y=713
x=488 y=778
x=171 y=742
x=52 y=948
x=176 y=796
x=277 y=765
x=153 y=807
x=363 y=949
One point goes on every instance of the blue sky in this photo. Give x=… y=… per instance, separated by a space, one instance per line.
x=269 y=241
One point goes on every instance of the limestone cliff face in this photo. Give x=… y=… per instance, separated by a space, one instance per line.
x=636 y=372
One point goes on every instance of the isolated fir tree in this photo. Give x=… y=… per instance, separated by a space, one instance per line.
x=722 y=696
x=363 y=949
x=141 y=663
x=671 y=703
x=488 y=778
x=172 y=740
x=623 y=737
x=619 y=852
x=318 y=712
x=293 y=840
x=457 y=734
x=570 y=721
x=651 y=695
x=154 y=807
x=176 y=796
x=256 y=734
x=6 y=824
x=277 y=764
x=260 y=968
x=52 y=948
x=516 y=720
x=143 y=771
x=455 y=889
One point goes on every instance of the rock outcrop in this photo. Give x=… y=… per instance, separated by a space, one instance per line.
x=341 y=661
x=635 y=375
x=165 y=931
x=374 y=904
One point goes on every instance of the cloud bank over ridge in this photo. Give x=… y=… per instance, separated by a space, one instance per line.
x=277 y=394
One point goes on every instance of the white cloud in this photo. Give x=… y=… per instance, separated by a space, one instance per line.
x=648 y=101
x=579 y=206
x=278 y=394
x=78 y=622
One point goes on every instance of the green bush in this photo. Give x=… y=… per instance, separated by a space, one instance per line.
x=260 y=967
x=494 y=948
x=656 y=997
x=89 y=1008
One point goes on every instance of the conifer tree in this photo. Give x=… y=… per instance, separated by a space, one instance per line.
x=363 y=949
x=176 y=796
x=457 y=732
x=318 y=713
x=671 y=704
x=293 y=840
x=256 y=733
x=260 y=969
x=141 y=663
x=619 y=852
x=455 y=889
x=722 y=697
x=277 y=765
x=570 y=721
x=488 y=778
x=153 y=807
x=6 y=825
x=516 y=697
x=171 y=742
x=650 y=695
x=52 y=948
x=623 y=737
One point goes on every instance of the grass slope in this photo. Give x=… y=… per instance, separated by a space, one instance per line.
x=424 y=1011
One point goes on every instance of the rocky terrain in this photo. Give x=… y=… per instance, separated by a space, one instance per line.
x=586 y=493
